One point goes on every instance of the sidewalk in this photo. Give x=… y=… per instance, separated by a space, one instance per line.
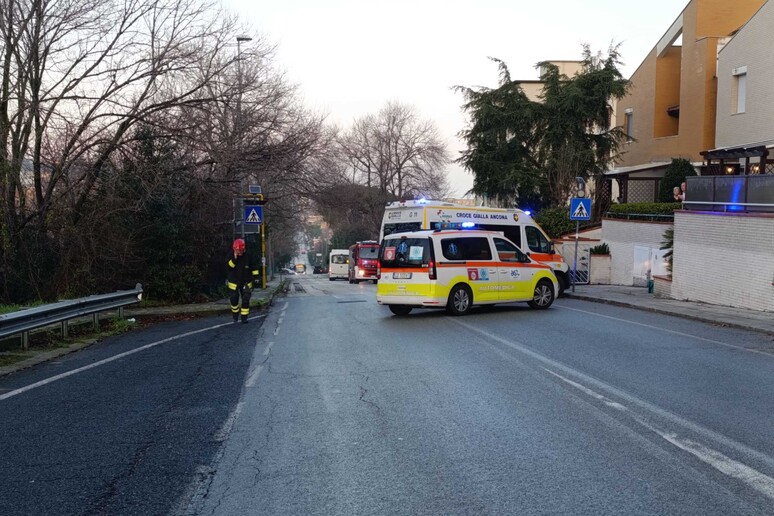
x=638 y=297
x=260 y=297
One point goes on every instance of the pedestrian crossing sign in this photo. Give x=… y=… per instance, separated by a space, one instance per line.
x=580 y=208
x=253 y=214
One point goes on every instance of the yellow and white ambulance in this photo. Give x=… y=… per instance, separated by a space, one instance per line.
x=457 y=269
x=516 y=225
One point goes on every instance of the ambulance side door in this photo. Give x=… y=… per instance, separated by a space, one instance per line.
x=515 y=276
x=477 y=266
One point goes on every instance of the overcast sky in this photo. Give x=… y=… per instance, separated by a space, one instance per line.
x=349 y=58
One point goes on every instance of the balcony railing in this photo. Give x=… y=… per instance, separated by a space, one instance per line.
x=735 y=194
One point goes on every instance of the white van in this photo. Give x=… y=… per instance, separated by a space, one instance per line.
x=338 y=264
x=459 y=269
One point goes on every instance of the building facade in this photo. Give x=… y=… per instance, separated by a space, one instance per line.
x=745 y=112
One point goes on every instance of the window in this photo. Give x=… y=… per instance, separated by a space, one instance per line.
x=740 y=80
x=629 y=124
x=339 y=259
x=369 y=253
x=401 y=227
x=509 y=252
x=405 y=252
x=467 y=248
x=537 y=241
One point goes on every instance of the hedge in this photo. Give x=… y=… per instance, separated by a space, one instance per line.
x=635 y=209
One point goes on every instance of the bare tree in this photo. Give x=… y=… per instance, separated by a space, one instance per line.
x=397 y=152
x=77 y=77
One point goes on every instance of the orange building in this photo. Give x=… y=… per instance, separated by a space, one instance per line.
x=670 y=110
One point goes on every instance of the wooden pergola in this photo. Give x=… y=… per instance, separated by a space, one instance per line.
x=722 y=156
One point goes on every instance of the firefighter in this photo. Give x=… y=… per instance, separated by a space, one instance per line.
x=242 y=271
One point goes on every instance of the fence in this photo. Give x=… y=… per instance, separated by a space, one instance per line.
x=24 y=321
x=752 y=193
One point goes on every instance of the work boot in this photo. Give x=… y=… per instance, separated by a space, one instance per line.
x=244 y=319
x=236 y=318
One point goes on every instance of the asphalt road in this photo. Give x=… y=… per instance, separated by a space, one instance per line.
x=334 y=406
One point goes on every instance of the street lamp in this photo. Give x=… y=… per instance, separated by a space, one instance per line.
x=238 y=117
x=240 y=39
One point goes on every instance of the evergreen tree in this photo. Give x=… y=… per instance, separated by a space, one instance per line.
x=528 y=152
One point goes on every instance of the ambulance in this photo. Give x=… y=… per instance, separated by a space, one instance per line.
x=458 y=269
x=516 y=225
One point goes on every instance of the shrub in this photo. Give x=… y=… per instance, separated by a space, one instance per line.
x=644 y=210
x=555 y=221
x=602 y=248
x=667 y=242
x=674 y=175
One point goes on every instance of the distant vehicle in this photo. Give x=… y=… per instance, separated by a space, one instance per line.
x=338 y=264
x=300 y=268
x=285 y=270
x=318 y=269
x=363 y=257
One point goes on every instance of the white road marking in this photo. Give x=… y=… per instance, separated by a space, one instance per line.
x=58 y=377
x=674 y=419
x=726 y=465
x=753 y=478
x=673 y=332
x=253 y=376
x=593 y=394
x=222 y=434
x=268 y=348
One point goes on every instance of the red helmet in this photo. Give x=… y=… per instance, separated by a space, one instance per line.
x=239 y=245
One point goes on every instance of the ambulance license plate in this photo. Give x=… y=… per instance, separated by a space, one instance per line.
x=401 y=275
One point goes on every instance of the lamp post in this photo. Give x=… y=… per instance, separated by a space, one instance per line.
x=240 y=39
x=238 y=118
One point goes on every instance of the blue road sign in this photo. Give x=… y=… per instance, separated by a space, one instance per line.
x=253 y=214
x=580 y=208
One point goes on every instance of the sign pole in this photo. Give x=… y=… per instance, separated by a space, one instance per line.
x=575 y=260
x=263 y=257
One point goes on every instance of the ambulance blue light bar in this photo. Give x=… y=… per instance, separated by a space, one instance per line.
x=439 y=226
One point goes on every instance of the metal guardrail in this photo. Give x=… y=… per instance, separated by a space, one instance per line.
x=23 y=321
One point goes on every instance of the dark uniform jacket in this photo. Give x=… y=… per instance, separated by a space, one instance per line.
x=241 y=270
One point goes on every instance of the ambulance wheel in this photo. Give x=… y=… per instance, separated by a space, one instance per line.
x=544 y=295
x=331 y=279
x=400 y=309
x=460 y=300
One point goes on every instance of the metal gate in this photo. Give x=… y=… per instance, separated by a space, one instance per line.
x=579 y=272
